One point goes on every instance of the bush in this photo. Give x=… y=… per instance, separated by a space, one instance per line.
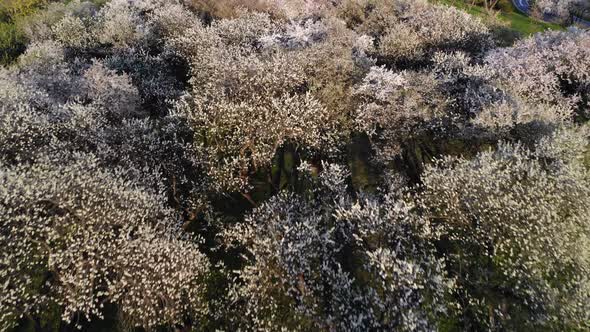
x=234 y=79
x=329 y=261
x=100 y=239
x=516 y=225
x=549 y=68
x=408 y=32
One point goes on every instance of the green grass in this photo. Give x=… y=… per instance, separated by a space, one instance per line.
x=12 y=39
x=516 y=21
x=527 y=25
x=12 y=43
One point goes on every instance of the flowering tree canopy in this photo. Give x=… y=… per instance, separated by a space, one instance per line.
x=291 y=165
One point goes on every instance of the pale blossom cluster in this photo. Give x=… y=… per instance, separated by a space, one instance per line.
x=562 y=9
x=325 y=260
x=257 y=86
x=483 y=103
x=517 y=223
x=521 y=92
x=83 y=237
x=548 y=68
x=396 y=106
x=408 y=32
x=87 y=176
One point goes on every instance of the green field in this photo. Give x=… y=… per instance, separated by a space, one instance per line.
x=512 y=18
x=13 y=13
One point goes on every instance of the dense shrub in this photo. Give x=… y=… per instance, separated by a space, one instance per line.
x=93 y=237
x=549 y=68
x=560 y=9
x=242 y=69
x=516 y=224
x=331 y=262
x=408 y=32
x=101 y=230
x=396 y=107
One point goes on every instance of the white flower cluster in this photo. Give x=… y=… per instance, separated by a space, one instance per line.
x=87 y=176
x=119 y=24
x=549 y=68
x=410 y=31
x=396 y=106
x=562 y=9
x=523 y=92
x=481 y=103
x=332 y=262
x=51 y=101
x=94 y=237
x=518 y=227
x=248 y=100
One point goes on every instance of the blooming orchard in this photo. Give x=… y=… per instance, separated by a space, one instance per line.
x=195 y=165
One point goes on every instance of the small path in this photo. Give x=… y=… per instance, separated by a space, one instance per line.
x=524 y=7
x=581 y=22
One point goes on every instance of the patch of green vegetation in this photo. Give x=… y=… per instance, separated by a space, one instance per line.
x=12 y=15
x=11 y=42
x=527 y=25
x=508 y=15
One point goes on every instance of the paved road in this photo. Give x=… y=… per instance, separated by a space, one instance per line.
x=522 y=6
x=582 y=23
